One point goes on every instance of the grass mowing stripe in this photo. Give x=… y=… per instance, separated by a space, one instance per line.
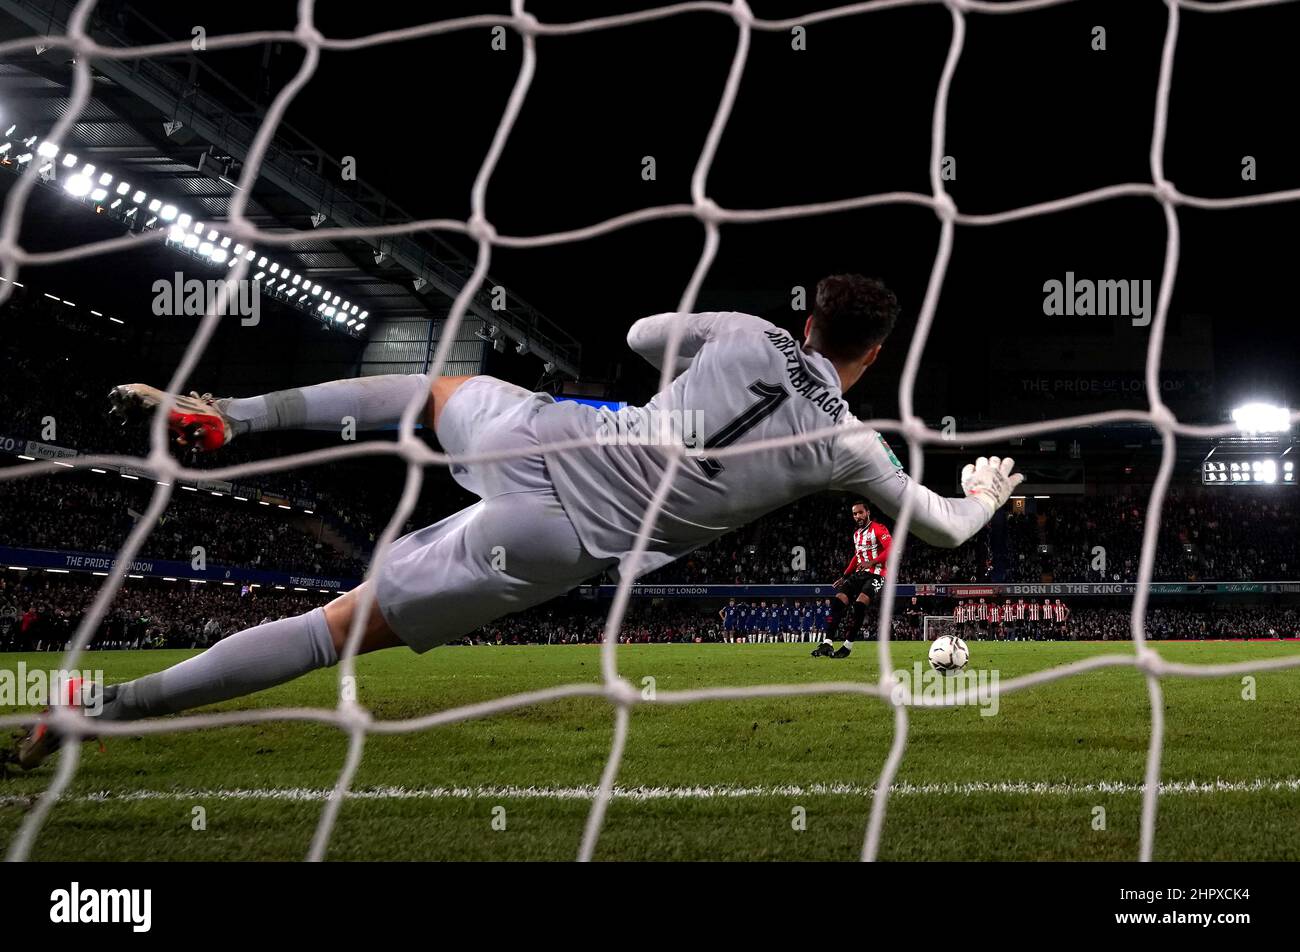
x=715 y=780
x=302 y=794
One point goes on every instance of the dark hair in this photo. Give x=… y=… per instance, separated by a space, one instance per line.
x=862 y=503
x=851 y=314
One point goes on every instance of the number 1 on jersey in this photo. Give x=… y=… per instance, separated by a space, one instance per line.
x=770 y=396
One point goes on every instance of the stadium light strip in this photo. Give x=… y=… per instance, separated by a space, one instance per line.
x=213 y=249
x=55 y=297
x=192 y=489
x=1262 y=418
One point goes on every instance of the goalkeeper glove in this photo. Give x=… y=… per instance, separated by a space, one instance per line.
x=990 y=482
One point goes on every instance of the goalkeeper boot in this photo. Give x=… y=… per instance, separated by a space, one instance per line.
x=195 y=421
x=823 y=650
x=41 y=741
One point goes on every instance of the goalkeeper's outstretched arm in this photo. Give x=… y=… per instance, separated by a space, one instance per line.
x=864 y=464
x=649 y=336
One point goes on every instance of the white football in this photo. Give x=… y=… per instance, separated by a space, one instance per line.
x=948 y=655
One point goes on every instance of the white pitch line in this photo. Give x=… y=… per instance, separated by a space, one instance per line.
x=314 y=795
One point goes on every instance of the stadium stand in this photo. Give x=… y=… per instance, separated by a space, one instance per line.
x=1205 y=535
x=40 y=612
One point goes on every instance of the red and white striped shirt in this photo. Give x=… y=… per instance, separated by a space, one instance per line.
x=870 y=550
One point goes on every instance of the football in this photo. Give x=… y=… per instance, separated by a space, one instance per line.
x=948 y=655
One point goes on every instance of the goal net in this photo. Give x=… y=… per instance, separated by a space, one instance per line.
x=350 y=715
x=935 y=626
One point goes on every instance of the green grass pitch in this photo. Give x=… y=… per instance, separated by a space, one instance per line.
x=724 y=780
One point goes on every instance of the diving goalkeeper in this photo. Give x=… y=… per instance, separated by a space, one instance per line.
x=562 y=517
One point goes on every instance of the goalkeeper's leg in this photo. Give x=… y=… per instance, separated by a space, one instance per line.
x=252 y=660
x=436 y=585
x=245 y=663
x=366 y=403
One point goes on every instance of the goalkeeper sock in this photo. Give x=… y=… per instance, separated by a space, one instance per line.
x=248 y=661
x=373 y=402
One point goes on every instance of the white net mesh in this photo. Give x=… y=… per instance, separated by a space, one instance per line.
x=932 y=626
x=352 y=717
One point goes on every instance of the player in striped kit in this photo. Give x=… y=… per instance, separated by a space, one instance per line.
x=1061 y=612
x=863 y=580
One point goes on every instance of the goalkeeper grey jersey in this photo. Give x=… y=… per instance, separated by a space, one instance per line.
x=740 y=379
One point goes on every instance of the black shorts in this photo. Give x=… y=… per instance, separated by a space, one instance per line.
x=863 y=583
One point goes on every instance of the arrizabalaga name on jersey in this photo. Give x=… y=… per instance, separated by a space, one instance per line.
x=828 y=400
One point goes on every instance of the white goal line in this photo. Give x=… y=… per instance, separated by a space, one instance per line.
x=704 y=792
x=349 y=714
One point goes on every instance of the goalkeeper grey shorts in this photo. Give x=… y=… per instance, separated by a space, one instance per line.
x=514 y=549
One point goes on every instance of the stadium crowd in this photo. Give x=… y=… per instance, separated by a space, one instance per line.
x=573 y=622
x=1204 y=536
x=40 y=612
x=87 y=512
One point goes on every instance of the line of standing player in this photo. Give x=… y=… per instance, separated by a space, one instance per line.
x=803 y=621
x=1011 y=612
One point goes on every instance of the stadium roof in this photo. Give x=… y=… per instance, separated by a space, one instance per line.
x=129 y=128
